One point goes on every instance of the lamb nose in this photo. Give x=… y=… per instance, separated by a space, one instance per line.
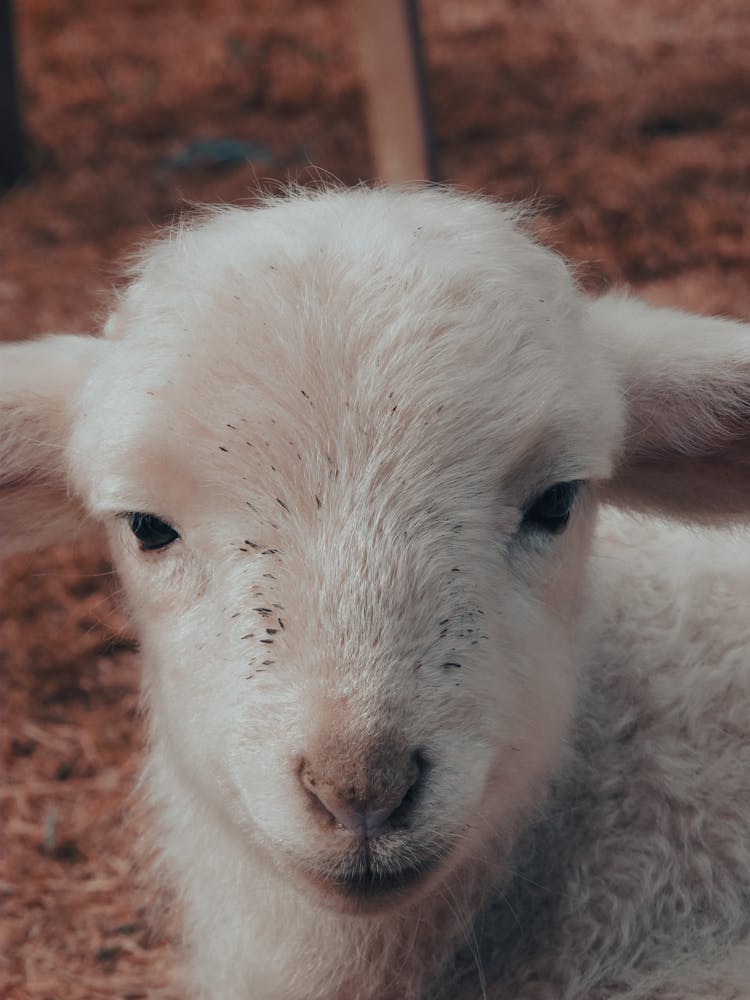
x=365 y=817
x=363 y=824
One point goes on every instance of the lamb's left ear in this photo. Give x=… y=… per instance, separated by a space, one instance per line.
x=686 y=382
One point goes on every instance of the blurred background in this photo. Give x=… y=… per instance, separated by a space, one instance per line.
x=627 y=121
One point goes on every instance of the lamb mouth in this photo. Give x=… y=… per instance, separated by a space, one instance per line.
x=366 y=886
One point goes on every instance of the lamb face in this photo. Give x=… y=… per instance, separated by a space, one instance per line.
x=361 y=647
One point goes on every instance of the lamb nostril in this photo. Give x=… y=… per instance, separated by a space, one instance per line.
x=364 y=815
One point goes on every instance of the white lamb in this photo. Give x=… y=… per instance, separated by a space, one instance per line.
x=425 y=721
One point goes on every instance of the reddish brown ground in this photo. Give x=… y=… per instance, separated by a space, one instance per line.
x=629 y=118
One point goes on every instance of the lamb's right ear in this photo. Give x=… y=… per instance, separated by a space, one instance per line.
x=39 y=384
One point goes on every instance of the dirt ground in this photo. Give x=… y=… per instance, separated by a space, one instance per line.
x=629 y=120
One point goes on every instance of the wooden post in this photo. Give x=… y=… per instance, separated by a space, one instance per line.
x=12 y=151
x=396 y=89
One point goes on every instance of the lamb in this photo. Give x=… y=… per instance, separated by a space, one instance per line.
x=446 y=696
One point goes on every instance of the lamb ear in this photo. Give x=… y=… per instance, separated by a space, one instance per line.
x=39 y=384
x=686 y=382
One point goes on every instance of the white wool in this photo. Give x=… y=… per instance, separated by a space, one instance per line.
x=344 y=402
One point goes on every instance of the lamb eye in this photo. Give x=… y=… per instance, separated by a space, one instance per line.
x=151 y=532
x=550 y=511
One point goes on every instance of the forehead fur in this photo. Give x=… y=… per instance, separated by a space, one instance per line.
x=383 y=333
